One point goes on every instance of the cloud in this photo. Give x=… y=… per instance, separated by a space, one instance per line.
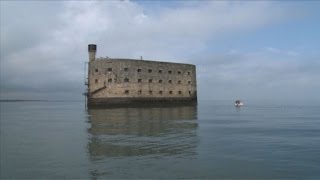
x=260 y=75
x=44 y=44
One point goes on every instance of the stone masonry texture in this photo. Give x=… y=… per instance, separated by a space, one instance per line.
x=140 y=80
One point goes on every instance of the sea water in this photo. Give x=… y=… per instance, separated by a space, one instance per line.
x=212 y=140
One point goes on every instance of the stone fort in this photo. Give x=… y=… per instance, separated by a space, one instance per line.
x=115 y=81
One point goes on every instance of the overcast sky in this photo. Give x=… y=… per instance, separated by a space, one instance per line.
x=253 y=50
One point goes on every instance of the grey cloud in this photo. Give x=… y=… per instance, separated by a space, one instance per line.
x=253 y=77
x=44 y=44
x=26 y=23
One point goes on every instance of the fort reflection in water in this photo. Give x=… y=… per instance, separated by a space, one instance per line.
x=126 y=132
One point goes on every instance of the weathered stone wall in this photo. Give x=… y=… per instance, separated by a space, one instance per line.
x=115 y=78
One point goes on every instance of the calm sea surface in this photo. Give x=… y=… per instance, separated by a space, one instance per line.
x=211 y=140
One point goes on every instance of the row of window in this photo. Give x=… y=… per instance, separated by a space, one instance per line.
x=140 y=70
x=140 y=81
x=151 y=92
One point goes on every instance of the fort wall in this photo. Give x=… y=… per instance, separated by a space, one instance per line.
x=131 y=80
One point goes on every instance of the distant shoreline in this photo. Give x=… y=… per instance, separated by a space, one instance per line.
x=36 y=100
x=17 y=100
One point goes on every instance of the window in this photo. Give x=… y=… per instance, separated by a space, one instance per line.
x=150 y=92
x=109 y=80
x=126 y=69
x=150 y=80
x=179 y=72
x=190 y=92
x=179 y=92
x=160 y=71
x=139 y=80
x=126 y=91
x=149 y=70
x=96 y=80
x=170 y=81
x=109 y=69
x=160 y=92
x=139 y=70
x=189 y=82
x=96 y=70
x=139 y=92
x=169 y=72
x=170 y=92
x=160 y=81
x=126 y=80
x=189 y=73
x=179 y=82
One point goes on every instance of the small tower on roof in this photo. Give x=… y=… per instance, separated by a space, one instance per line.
x=92 y=49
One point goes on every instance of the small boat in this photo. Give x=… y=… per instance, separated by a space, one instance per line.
x=238 y=103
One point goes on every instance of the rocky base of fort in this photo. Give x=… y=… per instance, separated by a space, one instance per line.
x=140 y=102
